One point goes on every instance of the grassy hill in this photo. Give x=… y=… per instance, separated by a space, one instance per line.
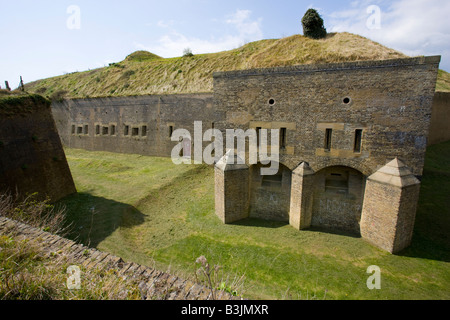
x=443 y=81
x=146 y=73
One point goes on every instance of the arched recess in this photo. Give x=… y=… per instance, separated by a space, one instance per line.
x=270 y=196
x=338 y=198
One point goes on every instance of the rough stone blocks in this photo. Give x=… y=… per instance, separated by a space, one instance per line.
x=389 y=207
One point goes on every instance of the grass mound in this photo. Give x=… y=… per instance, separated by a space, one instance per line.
x=143 y=72
x=140 y=56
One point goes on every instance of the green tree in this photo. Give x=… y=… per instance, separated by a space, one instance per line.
x=313 y=25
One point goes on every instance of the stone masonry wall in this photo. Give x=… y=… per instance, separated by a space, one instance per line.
x=139 y=125
x=390 y=101
x=440 y=118
x=32 y=158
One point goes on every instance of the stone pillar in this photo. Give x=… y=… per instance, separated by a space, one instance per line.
x=389 y=208
x=301 y=197
x=231 y=177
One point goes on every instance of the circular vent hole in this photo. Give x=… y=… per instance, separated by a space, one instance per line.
x=346 y=100
x=271 y=102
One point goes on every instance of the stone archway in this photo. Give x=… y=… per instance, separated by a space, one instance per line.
x=338 y=194
x=270 y=195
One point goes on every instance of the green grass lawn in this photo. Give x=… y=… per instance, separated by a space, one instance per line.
x=150 y=211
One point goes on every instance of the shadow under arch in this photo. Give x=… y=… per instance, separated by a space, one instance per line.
x=359 y=165
x=92 y=219
x=338 y=195
x=270 y=195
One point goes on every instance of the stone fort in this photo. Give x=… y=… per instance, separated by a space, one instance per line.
x=353 y=138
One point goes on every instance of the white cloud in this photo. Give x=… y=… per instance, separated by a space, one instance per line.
x=173 y=43
x=414 y=27
x=246 y=27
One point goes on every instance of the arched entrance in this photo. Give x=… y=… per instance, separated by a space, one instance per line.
x=338 y=198
x=270 y=196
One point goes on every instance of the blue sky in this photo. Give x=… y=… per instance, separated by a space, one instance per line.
x=43 y=38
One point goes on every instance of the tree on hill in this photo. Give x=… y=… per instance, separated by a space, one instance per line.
x=313 y=25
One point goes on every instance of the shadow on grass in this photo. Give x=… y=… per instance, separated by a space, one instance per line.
x=339 y=232
x=431 y=238
x=255 y=222
x=94 y=218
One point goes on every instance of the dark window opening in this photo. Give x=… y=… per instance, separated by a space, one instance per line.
x=283 y=138
x=144 y=131
x=113 y=130
x=97 y=129
x=358 y=140
x=126 y=131
x=73 y=129
x=273 y=181
x=258 y=136
x=327 y=144
x=337 y=183
x=105 y=130
x=86 y=129
x=79 y=130
x=170 y=131
x=135 y=132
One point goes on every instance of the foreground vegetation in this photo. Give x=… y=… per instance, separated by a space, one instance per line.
x=27 y=274
x=150 y=211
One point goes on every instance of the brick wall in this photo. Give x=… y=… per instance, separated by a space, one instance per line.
x=139 y=125
x=440 y=118
x=390 y=101
x=31 y=155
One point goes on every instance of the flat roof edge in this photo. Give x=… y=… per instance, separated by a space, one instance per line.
x=339 y=66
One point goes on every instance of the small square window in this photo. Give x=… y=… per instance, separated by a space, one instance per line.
x=135 y=132
x=105 y=131
x=79 y=130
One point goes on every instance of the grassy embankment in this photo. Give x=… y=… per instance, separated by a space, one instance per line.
x=145 y=73
x=152 y=212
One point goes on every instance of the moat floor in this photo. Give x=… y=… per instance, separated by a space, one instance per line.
x=152 y=212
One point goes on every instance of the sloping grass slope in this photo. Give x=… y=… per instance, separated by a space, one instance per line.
x=145 y=73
